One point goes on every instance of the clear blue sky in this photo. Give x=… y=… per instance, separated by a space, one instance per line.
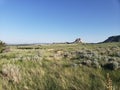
x=34 y=21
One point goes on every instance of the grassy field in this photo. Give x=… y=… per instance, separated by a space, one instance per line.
x=60 y=67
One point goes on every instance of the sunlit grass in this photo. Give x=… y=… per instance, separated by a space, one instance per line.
x=57 y=67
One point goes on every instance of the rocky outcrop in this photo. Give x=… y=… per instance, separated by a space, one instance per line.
x=78 y=40
x=113 y=39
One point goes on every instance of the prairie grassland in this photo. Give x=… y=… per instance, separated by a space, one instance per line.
x=60 y=67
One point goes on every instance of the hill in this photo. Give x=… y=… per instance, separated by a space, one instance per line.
x=113 y=39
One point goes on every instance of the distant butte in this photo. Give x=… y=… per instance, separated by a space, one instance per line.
x=113 y=39
x=78 y=40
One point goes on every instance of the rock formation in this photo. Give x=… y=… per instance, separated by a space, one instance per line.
x=78 y=40
x=113 y=39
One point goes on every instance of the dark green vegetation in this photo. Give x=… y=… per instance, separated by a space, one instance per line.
x=2 y=46
x=60 y=67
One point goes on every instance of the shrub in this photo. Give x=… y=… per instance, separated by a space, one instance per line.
x=2 y=46
x=112 y=65
x=118 y=54
x=95 y=64
x=11 y=72
x=87 y=63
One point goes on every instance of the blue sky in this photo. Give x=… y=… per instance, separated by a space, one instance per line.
x=37 y=21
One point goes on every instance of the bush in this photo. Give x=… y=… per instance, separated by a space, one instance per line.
x=11 y=72
x=2 y=46
x=87 y=63
x=112 y=65
x=95 y=64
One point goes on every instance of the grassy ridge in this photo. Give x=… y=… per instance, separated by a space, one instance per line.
x=59 y=67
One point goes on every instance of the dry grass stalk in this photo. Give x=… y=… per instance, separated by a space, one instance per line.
x=109 y=83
